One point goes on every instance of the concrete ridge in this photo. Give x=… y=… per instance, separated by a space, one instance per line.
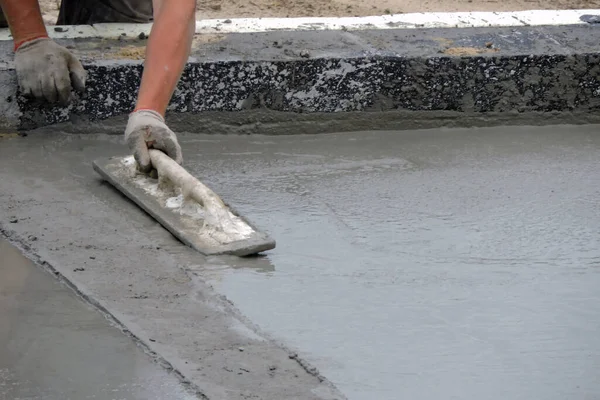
x=228 y=326
x=530 y=63
x=222 y=301
x=97 y=304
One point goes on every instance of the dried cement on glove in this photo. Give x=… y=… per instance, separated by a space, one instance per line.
x=214 y=222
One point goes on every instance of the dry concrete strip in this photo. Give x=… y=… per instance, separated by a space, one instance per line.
x=420 y=71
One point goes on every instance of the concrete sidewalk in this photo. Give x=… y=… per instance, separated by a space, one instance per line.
x=415 y=264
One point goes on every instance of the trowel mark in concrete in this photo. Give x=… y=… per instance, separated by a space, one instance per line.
x=475 y=274
x=136 y=271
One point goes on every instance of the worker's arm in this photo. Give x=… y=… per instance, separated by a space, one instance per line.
x=44 y=69
x=167 y=52
x=24 y=19
x=166 y=55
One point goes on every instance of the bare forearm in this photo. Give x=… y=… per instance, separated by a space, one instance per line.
x=167 y=53
x=24 y=19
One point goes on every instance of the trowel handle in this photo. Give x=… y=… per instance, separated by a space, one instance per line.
x=169 y=169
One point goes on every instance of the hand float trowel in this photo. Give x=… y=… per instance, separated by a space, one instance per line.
x=183 y=205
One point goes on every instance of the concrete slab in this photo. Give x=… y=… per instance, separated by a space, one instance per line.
x=426 y=264
x=54 y=346
x=455 y=263
x=59 y=211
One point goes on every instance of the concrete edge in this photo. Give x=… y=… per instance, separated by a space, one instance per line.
x=523 y=63
x=327 y=391
x=85 y=295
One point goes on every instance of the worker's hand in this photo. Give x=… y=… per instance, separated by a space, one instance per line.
x=145 y=130
x=47 y=70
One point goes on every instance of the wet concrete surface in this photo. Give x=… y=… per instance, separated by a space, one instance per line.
x=435 y=264
x=62 y=215
x=54 y=346
x=419 y=264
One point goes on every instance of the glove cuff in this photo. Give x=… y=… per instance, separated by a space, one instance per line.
x=25 y=43
x=24 y=20
x=149 y=113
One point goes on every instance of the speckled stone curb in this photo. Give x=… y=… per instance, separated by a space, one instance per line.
x=466 y=70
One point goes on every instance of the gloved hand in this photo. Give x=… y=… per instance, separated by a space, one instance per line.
x=48 y=71
x=145 y=130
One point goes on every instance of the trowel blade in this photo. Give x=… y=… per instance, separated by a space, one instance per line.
x=182 y=227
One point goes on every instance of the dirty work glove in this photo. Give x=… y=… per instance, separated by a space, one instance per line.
x=46 y=70
x=145 y=130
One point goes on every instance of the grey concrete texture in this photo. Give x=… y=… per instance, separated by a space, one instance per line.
x=466 y=75
x=441 y=264
x=63 y=216
x=54 y=346
x=453 y=263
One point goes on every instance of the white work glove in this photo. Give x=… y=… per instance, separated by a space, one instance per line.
x=145 y=130
x=47 y=70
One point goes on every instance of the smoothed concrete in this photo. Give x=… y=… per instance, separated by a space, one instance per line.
x=54 y=346
x=454 y=263
x=474 y=74
x=58 y=210
x=442 y=264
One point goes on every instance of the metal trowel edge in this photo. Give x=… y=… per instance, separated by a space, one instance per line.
x=182 y=227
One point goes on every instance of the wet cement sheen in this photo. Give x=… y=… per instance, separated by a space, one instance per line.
x=432 y=264
x=454 y=264
x=55 y=347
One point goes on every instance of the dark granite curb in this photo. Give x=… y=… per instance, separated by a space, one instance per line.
x=460 y=74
